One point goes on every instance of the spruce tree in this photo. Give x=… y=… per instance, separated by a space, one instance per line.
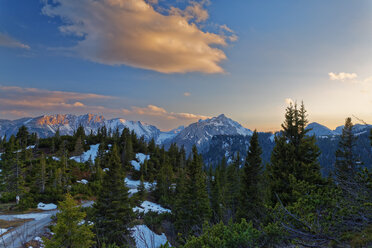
x=193 y=208
x=69 y=231
x=346 y=165
x=113 y=210
x=232 y=189
x=250 y=197
x=295 y=155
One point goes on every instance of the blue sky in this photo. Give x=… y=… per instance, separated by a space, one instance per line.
x=275 y=52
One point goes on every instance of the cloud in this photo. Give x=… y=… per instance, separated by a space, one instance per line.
x=289 y=101
x=134 y=33
x=195 y=11
x=342 y=76
x=152 y=110
x=16 y=102
x=32 y=98
x=7 y=41
x=187 y=94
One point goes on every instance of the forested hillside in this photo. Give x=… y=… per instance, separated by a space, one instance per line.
x=268 y=199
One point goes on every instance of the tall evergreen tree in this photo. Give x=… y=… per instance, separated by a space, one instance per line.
x=113 y=209
x=346 y=165
x=295 y=155
x=192 y=206
x=250 y=197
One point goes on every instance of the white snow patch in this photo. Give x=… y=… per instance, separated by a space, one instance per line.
x=134 y=184
x=56 y=158
x=142 y=157
x=44 y=206
x=132 y=191
x=91 y=153
x=3 y=230
x=147 y=206
x=36 y=216
x=27 y=148
x=136 y=165
x=83 y=181
x=144 y=237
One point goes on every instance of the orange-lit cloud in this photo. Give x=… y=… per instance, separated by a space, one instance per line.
x=152 y=110
x=16 y=102
x=7 y=41
x=134 y=33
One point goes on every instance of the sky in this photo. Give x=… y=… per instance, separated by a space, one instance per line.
x=171 y=63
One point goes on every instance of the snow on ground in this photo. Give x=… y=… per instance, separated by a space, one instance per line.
x=144 y=237
x=134 y=184
x=2 y=231
x=147 y=206
x=141 y=159
x=56 y=158
x=44 y=206
x=36 y=216
x=29 y=147
x=83 y=181
x=136 y=165
x=132 y=191
x=91 y=153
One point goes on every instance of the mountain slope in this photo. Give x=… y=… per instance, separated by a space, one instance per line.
x=67 y=124
x=201 y=132
x=319 y=130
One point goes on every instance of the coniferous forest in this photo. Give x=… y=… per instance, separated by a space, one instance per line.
x=280 y=201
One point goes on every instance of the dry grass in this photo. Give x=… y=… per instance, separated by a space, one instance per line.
x=13 y=223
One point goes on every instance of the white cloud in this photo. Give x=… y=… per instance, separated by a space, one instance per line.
x=342 y=76
x=289 y=101
x=134 y=33
x=7 y=41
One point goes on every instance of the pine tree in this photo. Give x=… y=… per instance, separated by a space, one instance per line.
x=113 y=210
x=250 y=197
x=69 y=232
x=192 y=206
x=142 y=192
x=295 y=154
x=163 y=189
x=79 y=149
x=232 y=189
x=216 y=199
x=42 y=174
x=346 y=165
x=22 y=136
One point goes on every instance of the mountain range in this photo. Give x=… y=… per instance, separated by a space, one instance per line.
x=215 y=137
x=199 y=133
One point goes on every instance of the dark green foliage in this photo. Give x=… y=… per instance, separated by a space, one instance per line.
x=192 y=204
x=347 y=165
x=69 y=231
x=114 y=213
x=250 y=197
x=295 y=154
x=241 y=234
